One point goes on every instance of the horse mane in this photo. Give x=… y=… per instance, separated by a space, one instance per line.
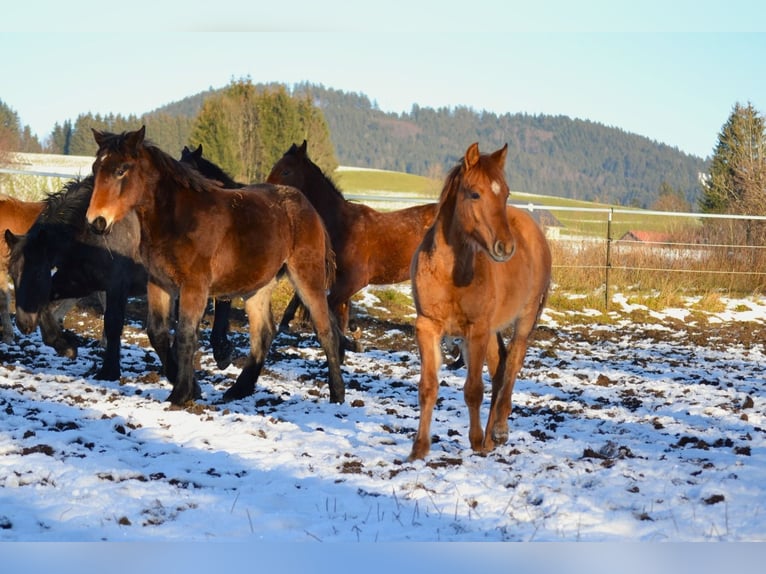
x=449 y=191
x=67 y=207
x=209 y=169
x=180 y=174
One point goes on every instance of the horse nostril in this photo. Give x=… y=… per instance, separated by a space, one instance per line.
x=502 y=252
x=98 y=225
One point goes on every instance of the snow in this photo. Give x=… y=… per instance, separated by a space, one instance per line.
x=623 y=432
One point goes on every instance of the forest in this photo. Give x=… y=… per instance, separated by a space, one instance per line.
x=550 y=155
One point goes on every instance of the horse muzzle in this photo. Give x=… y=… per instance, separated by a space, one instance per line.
x=100 y=226
x=26 y=322
x=502 y=252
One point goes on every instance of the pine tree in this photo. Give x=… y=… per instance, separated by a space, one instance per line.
x=737 y=178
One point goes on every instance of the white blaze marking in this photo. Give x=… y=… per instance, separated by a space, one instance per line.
x=496 y=188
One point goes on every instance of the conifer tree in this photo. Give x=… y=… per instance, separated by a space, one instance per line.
x=737 y=179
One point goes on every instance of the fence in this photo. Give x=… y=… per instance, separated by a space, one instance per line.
x=613 y=242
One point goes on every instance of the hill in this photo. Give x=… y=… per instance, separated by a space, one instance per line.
x=548 y=155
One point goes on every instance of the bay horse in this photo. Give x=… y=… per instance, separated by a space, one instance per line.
x=59 y=258
x=371 y=247
x=199 y=239
x=482 y=267
x=17 y=216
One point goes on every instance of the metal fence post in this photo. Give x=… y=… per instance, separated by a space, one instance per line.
x=608 y=257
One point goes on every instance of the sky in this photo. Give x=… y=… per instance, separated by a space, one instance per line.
x=671 y=71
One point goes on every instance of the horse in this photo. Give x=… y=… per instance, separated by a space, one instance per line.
x=199 y=239
x=482 y=267
x=17 y=216
x=223 y=349
x=371 y=247
x=84 y=263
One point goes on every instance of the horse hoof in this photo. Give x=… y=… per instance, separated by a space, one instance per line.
x=66 y=351
x=104 y=375
x=500 y=436
x=235 y=394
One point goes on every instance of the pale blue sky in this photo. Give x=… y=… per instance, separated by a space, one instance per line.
x=668 y=70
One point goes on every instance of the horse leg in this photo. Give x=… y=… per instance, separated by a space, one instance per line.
x=428 y=335
x=114 y=320
x=5 y=313
x=340 y=306
x=309 y=284
x=497 y=429
x=473 y=392
x=261 y=324
x=516 y=350
x=160 y=303
x=289 y=314
x=223 y=350
x=191 y=306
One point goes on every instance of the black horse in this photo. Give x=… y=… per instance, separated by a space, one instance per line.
x=59 y=258
x=223 y=349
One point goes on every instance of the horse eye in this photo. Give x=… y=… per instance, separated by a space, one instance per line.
x=122 y=170
x=475 y=195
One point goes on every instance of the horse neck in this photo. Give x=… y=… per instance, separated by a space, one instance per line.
x=452 y=244
x=322 y=193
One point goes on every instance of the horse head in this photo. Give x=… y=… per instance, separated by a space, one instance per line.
x=119 y=179
x=480 y=194
x=30 y=268
x=290 y=169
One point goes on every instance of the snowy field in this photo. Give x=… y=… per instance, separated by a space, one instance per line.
x=624 y=432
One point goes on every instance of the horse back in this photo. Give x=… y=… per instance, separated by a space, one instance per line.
x=253 y=232
x=387 y=240
x=17 y=216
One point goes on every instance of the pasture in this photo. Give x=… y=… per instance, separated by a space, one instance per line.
x=641 y=425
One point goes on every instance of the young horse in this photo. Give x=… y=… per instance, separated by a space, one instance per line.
x=371 y=247
x=16 y=216
x=482 y=267
x=84 y=263
x=223 y=349
x=198 y=239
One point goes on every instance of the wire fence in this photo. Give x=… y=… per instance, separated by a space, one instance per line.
x=600 y=245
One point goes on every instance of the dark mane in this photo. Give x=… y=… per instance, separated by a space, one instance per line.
x=66 y=208
x=295 y=151
x=208 y=168
x=451 y=185
x=180 y=174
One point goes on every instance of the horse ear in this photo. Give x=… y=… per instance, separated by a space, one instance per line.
x=302 y=149
x=136 y=138
x=499 y=155
x=472 y=155
x=197 y=153
x=10 y=238
x=99 y=136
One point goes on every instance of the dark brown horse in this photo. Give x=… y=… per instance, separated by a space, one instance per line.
x=482 y=267
x=17 y=216
x=198 y=240
x=371 y=247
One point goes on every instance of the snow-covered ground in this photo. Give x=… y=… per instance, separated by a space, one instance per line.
x=626 y=431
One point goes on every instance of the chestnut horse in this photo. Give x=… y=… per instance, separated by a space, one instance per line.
x=482 y=267
x=199 y=239
x=16 y=216
x=371 y=247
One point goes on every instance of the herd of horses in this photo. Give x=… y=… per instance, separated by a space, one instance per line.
x=183 y=231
